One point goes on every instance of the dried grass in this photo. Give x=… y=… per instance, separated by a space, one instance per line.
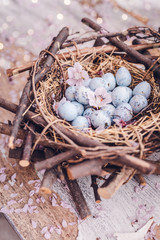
x=145 y=127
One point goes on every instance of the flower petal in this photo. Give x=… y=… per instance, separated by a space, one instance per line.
x=71 y=82
x=34 y=224
x=78 y=67
x=64 y=223
x=70 y=72
x=85 y=75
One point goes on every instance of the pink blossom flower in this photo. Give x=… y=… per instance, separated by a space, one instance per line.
x=99 y=98
x=76 y=76
x=56 y=104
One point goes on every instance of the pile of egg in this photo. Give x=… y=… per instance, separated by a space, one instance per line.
x=125 y=101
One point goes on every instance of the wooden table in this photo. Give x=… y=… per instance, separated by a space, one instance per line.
x=108 y=217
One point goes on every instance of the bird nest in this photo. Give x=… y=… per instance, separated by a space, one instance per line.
x=139 y=137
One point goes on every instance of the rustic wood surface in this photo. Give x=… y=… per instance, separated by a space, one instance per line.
x=113 y=215
x=47 y=215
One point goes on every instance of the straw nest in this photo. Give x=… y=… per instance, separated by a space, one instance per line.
x=140 y=136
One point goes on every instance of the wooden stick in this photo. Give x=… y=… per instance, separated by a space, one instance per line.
x=25 y=160
x=94 y=167
x=114 y=182
x=86 y=168
x=24 y=101
x=16 y=70
x=44 y=141
x=139 y=164
x=84 y=51
x=6 y=129
x=77 y=196
x=140 y=179
x=124 y=47
x=55 y=160
x=157 y=164
x=49 y=178
x=50 y=175
x=95 y=188
x=16 y=153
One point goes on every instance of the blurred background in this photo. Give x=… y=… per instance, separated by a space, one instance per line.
x=27 y=27
x=33 y=23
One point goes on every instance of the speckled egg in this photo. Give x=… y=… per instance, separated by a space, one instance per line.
x=67 y=111
x=109 y=81
x=80 y=122
x=80 y=108
x=98 y=118
x=70 y=93
x=143 y=88
x=130 y=92
x=138 y=102
x=108 y=109
x=81 y=95
x=124 y=112
x=123 y=77
x=87 y=82
x=88 y=112
x=95 y=83
x=120 y=95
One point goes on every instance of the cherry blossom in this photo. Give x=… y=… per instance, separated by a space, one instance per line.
x=76 y=76
x=99 y=98
x=56 y=104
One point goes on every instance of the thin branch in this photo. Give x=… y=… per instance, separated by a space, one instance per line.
x=84 y=51
x=24 y=101
x=115 y=181
x=77 y=196
x=130 y=51
x=25 y=160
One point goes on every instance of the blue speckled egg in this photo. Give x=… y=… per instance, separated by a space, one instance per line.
x=88 y=112
x=123 y=77
x=130 y=92
x=138 y=102
x=108 y=109
x=80 y=122
x=95 y=83
x=87 y=82
x=98 y=118
x=143 y=88
x=120 y=95
x=109 y=81
x=124 y=112
x=70 y=93
x=67 y=111
x=81 y=95
x=80 y=108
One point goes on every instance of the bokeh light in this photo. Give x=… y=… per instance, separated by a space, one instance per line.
x=124 y=17
x=60 y=16
x=99 y=20
x=1 y=46
x=67 y=2
x=34 y=1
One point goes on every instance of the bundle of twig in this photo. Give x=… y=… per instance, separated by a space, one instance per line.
x=69 y=153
